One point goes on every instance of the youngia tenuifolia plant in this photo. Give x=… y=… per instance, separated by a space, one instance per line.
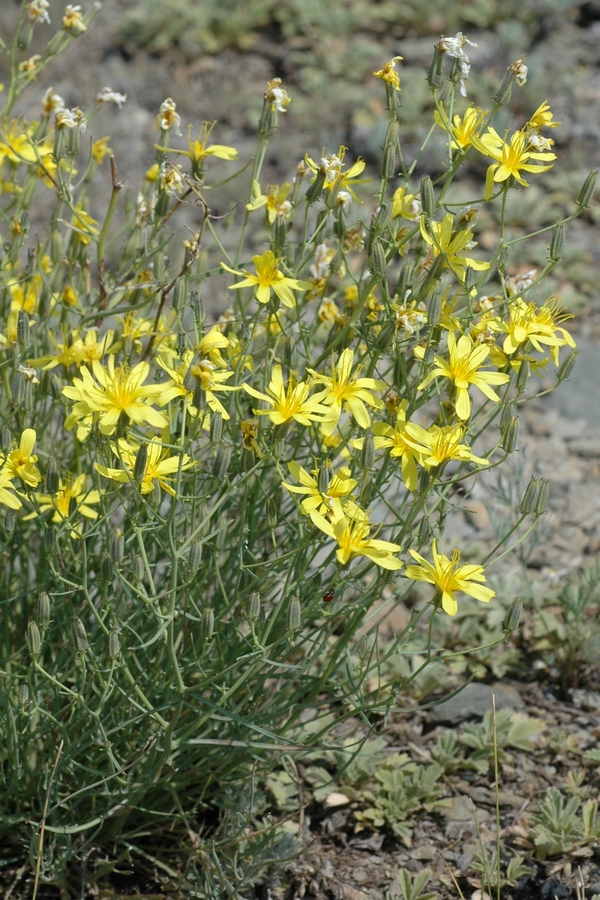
x=199 y=511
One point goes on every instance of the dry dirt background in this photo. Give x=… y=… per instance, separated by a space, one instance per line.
x=560 y=435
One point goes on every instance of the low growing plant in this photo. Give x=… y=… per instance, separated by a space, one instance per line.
x=219 y=447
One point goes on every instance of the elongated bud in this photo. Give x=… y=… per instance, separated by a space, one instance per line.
x=316 y=186
x=365 y=646
x=503 y=259
x=427 y=196
x=17 y=389
x=513 y=616
x=530 y=497
x=23 y=330
x=155 y=495
x=557 y=243
x=587 y=191
x=52 y=476
x=50 y=539
x=272 y=516
x=367 y=453
x=33 y=638
x=222 y=461
x=178 y=294
x=141 y=461
x=5 y=439
x=294 y=614
x=508 y=412
x=23 y=693
x=198 y=310
x=10 y=523
x=194 y=556
x=324 y=479
x=106 y=569
x=208 y=623
x=382 y=217
x=366 y=490
x=42 y=610
x=216 y=427
x=117 y=547
x=523 y=376
x=510 y=435
x=247 y=459
x=435 y=309
x=504 y=92
x=392 y=134
x=279 y=235
x=434 y=72
x=541 y=505
x=254 y=606
x=386 y=335
x=470 y=279
x=405 y=279
x=566 y=366
x=79 y=635
x=138 y=568
x=114 y=648
x=424 y=532
x=377 y=262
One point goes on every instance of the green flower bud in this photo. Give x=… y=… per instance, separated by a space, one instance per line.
x=10 y=523
x=294 y=614
x=208 y=623
x=272 y=516
x=405 y=279
x=138 y=568
x=198 y=310
x=434 y=72
x=178 y=294
x=386 y=335
x=114 y=648
x=117 y=546
x=557 y=242
x=366 y=490
x=541 y=505
x=5 y=440
x=50 y=539
x=504 y=92
x=52 y=476
x=316 y=186
x=33 y=638
x=427 y=196
x=566 y=366
x=530 y=497
x=23 y=330
x=378 y=262
x=278 y=448
x=424 y=532
x=216 y=427
x=587 y=191
x=279 y=235
x=470 y=279
x=23 y=693
x=106 y=569
x=509 y=410
x=367 y=453
x=17 y=389
x=194 y=557
x=435 y=309
x=513 y=616
x=510 y=435
x=141 y=461
x=42 y=610
x=79 y=635
x=254 y=606
x=523 y=376
x=222 y=461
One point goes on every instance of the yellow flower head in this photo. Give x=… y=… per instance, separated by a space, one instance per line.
x=72 y=497
x=327 y=503
x=344 y=392
x=275 y=200
x=452 y=244
x=512 y=158
x=388 y=73
x=268 y=277
x=449 y=576
x=396 y=441
x=160 y=467
x=20 y=462
x=73 y=20
x=290 y=402
x=352 y=536
x=200 y=149
x=438 y=444
x=462 y=130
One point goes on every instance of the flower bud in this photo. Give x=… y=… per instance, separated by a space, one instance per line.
x=367 y=453
x=470 y=279
x=392 y=134
x=324 y=478
x=106 y=569
x=424 y=532
x=542 y=501
x=294 y=614
x=509 y=410
x=566 y=366
x=405 y=279
x=52 y=476
x=386 y=336
x=247 y=459
x=50 y=539
x=117 y=547
x=557 y=243
x=523 y=376
x=33 y=638
x=194 y=557
x=254 y=606
x=388 y=162
x=378 y=262
x=141 y=461
x=10 y=523
x=316 y=186
x=434 y=72
x=42 y=610
x=23 y=330
x=208 y=623
x=503 y=259
x=138 y=568
x=155 y=496
x=79 y=635
x=278 y=448
x=17 y=389
x=272 y=514
x=198 y=310
x=504 y=92
x=587 y=191
x=113 y=645
x=178 y=294
x=510 y=435
x=366 y=490
x=513 y=616
x=222 y=461
x=530 y=497
x=427 y=196
x=435 y=309
x=5 y=439
x=23 y=693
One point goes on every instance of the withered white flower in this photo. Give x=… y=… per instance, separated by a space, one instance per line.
x=107 y=95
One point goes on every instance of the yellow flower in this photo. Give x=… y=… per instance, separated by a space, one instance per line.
x=100 y=149
x=90 y=348
x=451 y=244
x=275 y=200
x=335 y=178
x=528 y=322
x=464 y=129
x=73 y=20
x=114 y=393
x=396 y=440
x=543 y=117
x=159 y=466
x=71 y=497
x=405 y=205
x=194 y=372
x=448 y=576
x=438 y=444
x=7 y=495
x=20 y=462
x=352 y=536
x=388 y=73
x=84 y=227
x=200 y=148
x=268 y=277
x=343 y=392
x=511 y=158
x=291 y=402
x=462 y=370
x=328 y=503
